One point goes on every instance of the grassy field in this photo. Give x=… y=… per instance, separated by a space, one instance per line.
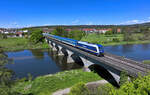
x=111 y=39
x=46 y=85
x=14 y=44
x=146 y=62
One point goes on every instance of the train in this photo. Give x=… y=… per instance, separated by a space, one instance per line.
x=95 y=49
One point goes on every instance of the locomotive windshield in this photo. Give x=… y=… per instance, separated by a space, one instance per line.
x=100 y=48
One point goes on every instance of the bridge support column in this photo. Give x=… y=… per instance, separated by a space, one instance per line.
x=50 y=43
x=53 y=46
x=87 y=63
x=60 y=53
x=69 y=57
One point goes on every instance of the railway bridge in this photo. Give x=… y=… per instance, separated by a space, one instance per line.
x=109 y=67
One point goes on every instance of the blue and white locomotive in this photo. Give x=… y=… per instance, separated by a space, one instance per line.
x=95 y=49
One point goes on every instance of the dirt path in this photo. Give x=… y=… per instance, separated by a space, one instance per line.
x=90 y=84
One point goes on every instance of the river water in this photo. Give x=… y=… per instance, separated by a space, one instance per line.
x=44 y=61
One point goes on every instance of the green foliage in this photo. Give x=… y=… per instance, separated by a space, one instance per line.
x=79 y=89
x=123 y=78
x=5 y=76
x=140 y=86
x=128 y=36
x=104 y=89
x=77 y=35
x=109 y=33
x=20 y=44
x=45 y=85
x=59 y=31
x=36 y=36
x=146 y=62
x=116 y=40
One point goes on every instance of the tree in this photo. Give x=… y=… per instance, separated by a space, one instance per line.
x=109 y=33
x=36 y=36
x=128 y=36
x=76 y=34
x=59 y=31
x=140 y=86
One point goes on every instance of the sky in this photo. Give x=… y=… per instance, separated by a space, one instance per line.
x=26 y=13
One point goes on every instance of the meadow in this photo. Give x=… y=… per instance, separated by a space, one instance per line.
x=14 y=44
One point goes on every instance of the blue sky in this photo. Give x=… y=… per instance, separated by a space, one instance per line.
x=22 y=13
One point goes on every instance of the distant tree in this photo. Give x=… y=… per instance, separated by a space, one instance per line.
x=76 y=34
x=109 y=33
x=36 y=36
x=59 y=31
x=146 y=33
x=128 y=36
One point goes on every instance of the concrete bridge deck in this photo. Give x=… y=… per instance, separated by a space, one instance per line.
x=109 y=61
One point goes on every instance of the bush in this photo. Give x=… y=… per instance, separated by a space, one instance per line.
x=104 y=89
x=116 y=40
x=140 y=86
x=79 y=89
x=109 y=33
x=123 y=78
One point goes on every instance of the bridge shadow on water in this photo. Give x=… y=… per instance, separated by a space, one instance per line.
x=102 y=72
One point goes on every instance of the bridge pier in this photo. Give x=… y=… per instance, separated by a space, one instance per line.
x=69 y=57
x=50 y=43
x=86 y=63
x=60 y=53
x=53 y=46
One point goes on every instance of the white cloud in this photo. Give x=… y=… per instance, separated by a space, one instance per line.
x=76 y=21
x=131 y=22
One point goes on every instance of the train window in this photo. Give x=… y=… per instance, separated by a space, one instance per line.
x=100 y=48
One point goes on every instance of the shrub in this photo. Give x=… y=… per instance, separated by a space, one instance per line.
x=79 y=89
x=140 y=86
x=116 y=40
x=104 y=89
x=123 y=78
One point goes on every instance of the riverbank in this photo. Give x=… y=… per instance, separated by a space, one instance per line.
x=15 y=44
x=46 y=85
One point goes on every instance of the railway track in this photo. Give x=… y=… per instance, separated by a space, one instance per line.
x=146 y=66
x=128 y=65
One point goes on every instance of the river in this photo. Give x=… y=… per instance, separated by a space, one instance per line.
x=44 y=61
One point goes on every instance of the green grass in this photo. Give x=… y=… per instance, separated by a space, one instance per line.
x=46 y=85
x=146 y=62
x=107 y=40
x=14 y=44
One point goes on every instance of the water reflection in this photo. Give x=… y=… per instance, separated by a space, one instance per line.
x=38 y=62
x=127 y=48
x=39 y=54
